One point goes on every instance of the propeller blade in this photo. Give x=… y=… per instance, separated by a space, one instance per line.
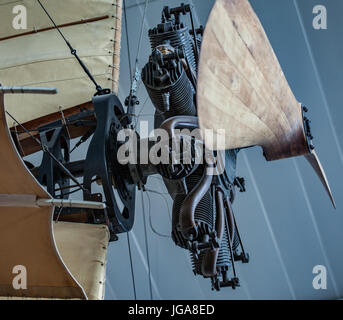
x=241 y=89
x=243 y=96
x=314 y=161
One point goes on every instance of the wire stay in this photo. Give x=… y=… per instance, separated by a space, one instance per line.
x=99 y=89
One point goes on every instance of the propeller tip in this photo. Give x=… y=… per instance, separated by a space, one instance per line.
x=334 y=204
x=313 y=159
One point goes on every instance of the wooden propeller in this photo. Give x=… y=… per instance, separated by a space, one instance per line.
x=243 y=96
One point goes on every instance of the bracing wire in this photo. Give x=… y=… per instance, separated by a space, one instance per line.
x=146 y=246
x=163 y=196
x=140 y=112
x=127 y=40
x=130 y=72
x=133 y=73
x=73 y=51
x=165 y=193
x=143 y=106
x=150 y=221
x=141 y=34
x=131 y=84
x=58 y=214
x=71 y=192
x=131 y=266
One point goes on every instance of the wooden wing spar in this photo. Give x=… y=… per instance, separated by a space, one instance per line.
x=243 y=95
x=41 y=58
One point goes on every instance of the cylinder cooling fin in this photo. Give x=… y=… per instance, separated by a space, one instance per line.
x=205 y=217
x=169 y=88
x=178 y=36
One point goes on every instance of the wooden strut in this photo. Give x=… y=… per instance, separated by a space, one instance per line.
x=25 y=141
x=34 y=90
x=59 y=26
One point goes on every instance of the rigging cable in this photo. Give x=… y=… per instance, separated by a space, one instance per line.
x=99 y=89
x=59 y=213
x=194 y=36
x=130 y=97
x=127 y=40
x=140 y=35
x=150 y=221
x=130 y=72
x=146 y=246
x=140 y=112
x=131 y=264
x=163 y=196
x=134 y=74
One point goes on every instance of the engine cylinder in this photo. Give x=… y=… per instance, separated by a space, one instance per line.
x=178 y=36
x=169 y=90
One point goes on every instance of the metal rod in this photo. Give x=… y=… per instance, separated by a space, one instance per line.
x=230 y=244
x=68 y=203
x=34 y=90
x=30 y=201
x=238 y=235
x=195 y=37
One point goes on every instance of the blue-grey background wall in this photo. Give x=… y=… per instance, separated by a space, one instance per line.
x=286 y=220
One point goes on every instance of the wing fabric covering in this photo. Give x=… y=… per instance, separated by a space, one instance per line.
x=26 y=237
x=83 y=248
x=41 y=58
x=243 y=95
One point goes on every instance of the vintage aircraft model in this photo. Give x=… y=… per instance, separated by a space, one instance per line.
x=225 y=76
